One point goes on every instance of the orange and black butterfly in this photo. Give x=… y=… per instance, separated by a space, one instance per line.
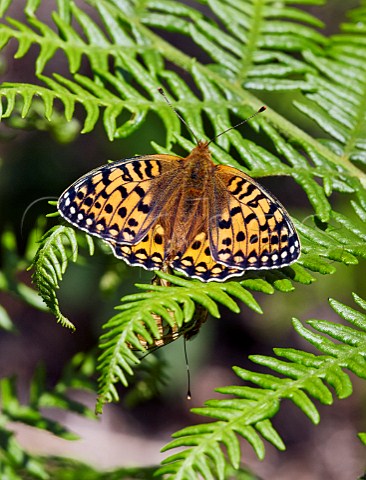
x=210 y=222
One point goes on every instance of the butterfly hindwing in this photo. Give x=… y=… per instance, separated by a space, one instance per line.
x=149 y=253
x=197 y=262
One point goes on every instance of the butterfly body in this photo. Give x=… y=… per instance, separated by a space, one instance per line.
x=185 y=213
x=211 y=222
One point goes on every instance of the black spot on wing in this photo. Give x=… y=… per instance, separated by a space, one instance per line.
x=225 y=224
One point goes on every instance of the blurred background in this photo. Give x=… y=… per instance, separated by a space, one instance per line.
x=39 y=161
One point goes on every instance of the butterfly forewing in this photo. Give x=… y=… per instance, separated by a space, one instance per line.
x=121 y=201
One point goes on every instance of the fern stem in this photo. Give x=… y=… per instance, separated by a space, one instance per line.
x=250 y=47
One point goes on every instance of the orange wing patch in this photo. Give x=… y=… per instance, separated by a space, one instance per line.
x=149 y=253
x=197 y=262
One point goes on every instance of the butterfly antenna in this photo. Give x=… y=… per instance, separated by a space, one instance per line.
x=189 y=395
x=29 y=207
x=238 y=124
x=161 y=91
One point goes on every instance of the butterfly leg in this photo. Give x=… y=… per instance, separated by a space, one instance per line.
x=156 y=280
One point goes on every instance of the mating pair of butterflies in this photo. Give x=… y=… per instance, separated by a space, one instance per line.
x=210 y=222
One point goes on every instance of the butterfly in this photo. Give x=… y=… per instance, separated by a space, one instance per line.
x=210 y=222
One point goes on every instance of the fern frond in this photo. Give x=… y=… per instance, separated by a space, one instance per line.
x=250 y=53
x=16 y=463
x=252 y=47
x=302 y=377
x=69 y=95
x=343 y=240
x=136 y=323
x=339 y=89
x=60 y=129
x=57 y=247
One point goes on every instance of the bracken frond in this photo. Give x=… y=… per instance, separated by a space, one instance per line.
x=298 y=376
x=56 y=248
